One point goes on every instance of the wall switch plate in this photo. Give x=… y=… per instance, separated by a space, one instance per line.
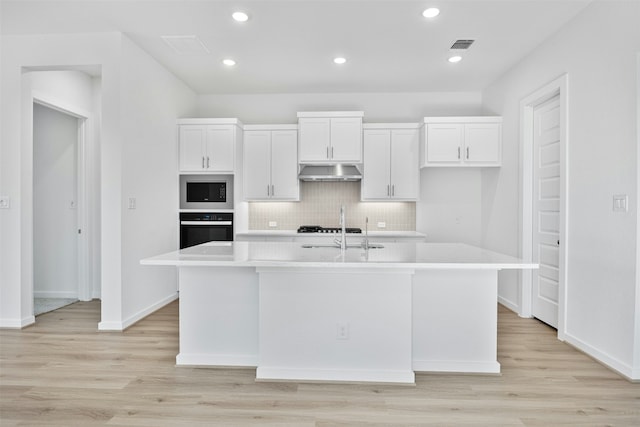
x=620 y=203
x=273 y=224
x=342 y=331
x=382 y=224
x=5 y=202
x=132 y=202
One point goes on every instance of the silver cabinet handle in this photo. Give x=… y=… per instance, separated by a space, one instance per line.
x=393 y=190
x=467 y=153
x=332 y=152
x=208 y=164
x=273 y=193
x=458 y=152
x=267 y=189
x=202 y=162
x=388 y=191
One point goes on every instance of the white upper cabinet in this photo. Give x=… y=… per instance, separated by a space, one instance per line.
x=330 y=137
x=271 y=162
x=391 y=170
x=207 y=147
x=461 y=141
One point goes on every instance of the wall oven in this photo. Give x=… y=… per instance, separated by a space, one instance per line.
x=206 y=192
x=202 y=227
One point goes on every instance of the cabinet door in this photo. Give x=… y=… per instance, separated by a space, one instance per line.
x=284 y=165
x=257 y=154
x=405 y=170
x=483 y=143
x=376 y=174
x=444 y=143
x=346 y=139
x=192 y=148
x=314 y=139
x=220 y=148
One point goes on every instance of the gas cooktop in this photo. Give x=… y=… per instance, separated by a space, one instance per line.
x=319 y=229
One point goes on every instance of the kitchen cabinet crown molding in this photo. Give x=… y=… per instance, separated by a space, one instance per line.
x=330 y=114
x=391 y=125
x=272 y=127
x=464 y=119
x=210 y=121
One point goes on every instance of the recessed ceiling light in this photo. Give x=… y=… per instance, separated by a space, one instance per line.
x=432 y=12
x=229 y=62
x=455 y=59
x=240 y=16
x=339 y=60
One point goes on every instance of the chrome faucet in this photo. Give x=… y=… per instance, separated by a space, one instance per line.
x=365 y=242
x=343 y=231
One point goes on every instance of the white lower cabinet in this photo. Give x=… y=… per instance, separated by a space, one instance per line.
x=271 y=164
x=391 y=169
x=461 y=141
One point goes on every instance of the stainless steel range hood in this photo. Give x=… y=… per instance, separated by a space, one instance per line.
x=330 y=173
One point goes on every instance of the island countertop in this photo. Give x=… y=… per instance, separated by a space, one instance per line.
x=414 y=255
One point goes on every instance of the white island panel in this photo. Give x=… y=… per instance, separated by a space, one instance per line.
x=335 y=326
x=218 y=316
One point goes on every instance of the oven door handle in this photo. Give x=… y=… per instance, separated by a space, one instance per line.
x=206 y=223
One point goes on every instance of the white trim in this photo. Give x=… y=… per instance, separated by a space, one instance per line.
x=121 y=326
x=210 y=121
x=217 y=360
x=635 y=373
x=559 y=86
x=330 y=114
x=464 y=119
x=17 y=323
x=460 y=366
x=617 y=365
x=338 y=375
x=511 y=305
x=85 y=285
x=391 y=125
x=270 y=127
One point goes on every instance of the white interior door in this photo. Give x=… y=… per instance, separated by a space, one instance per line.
x=546 y=210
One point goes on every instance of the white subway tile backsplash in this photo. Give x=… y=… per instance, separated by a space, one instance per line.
x=320 y=205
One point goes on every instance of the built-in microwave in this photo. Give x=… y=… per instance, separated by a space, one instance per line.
x=206 y=192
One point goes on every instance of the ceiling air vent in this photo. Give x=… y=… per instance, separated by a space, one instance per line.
x=186 y=45
x=462 y=44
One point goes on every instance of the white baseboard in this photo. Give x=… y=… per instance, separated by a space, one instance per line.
x=55 y=294
x=17 y=323
x=622 y=368
x=509 y=304
x=217 y=360
x=121 y=326
x=335 y=375
x=461 y=366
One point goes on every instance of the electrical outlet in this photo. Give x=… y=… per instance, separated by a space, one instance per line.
x=620 y=203
x=132 y=202
x=5 y=202
x=273 y=224
x=382 y=224
x=342 y=331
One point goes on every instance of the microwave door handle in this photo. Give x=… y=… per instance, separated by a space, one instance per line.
x=208 y=223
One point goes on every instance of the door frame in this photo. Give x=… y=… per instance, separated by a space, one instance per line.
x=557 y=87
x=85 y=288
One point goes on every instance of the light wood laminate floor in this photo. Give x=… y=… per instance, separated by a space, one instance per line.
x=62 y=371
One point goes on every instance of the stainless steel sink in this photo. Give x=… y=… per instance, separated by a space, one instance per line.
x=333 y=245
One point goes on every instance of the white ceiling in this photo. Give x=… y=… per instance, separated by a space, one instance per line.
x=288 y=46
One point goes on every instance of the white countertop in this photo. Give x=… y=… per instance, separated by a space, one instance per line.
x=290 y=233
x=413 y=255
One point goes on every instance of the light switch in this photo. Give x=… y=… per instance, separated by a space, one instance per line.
x=5 y=202
x=132 y=202
x=620 y=203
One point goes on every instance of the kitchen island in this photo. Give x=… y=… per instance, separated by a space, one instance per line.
x=324 y=314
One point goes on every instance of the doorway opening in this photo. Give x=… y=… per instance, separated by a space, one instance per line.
x=544 y=203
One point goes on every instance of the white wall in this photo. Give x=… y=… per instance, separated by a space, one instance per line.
x=55 y=185
x=139 y=103
x=155 y=99
x=598 y=51
x=443 y=192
